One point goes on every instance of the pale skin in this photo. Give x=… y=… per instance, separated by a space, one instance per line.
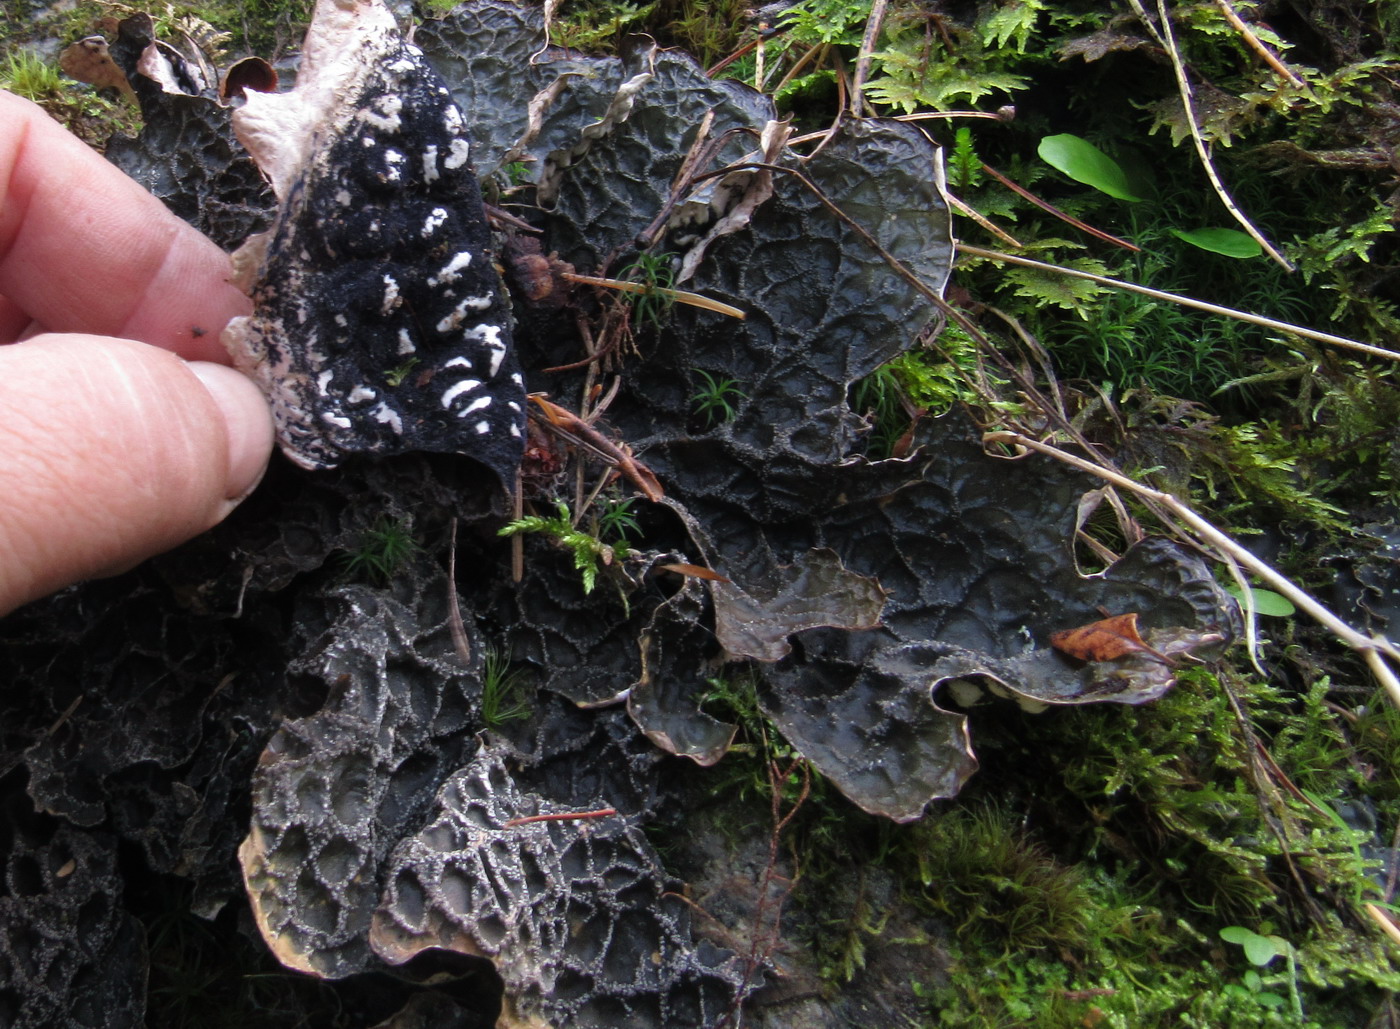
x=123 y=430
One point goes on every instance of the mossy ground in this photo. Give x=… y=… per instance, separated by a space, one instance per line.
x=1085 y=874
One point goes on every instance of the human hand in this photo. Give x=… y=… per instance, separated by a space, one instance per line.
x=112 y=448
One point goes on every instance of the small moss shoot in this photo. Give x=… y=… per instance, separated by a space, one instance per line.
x=382 y=551
x=504 y=696
x=715 y=399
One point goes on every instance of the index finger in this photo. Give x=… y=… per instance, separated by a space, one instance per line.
x=83 y=248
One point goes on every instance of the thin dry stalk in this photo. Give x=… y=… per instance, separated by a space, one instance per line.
x=983 y=221
x=1247 y=34
x=1383 y=921
x=814 y=53
x=678 y=296
x=873 y=25
x=1176 y=298
x=1070 y=219
x=765 y=933
x=454 y=609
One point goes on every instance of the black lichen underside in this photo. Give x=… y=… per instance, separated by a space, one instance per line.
x=380 y=326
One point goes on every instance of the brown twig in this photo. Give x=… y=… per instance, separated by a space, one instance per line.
x=1257 y=44
x=1045 y=205
x=678 y=296
x=765 y=937
x=873 y=24
x=1268 y=796
x=562 y=816
x=983 y=221
x=567 y=425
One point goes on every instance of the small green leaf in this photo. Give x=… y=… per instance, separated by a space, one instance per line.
x=1258 y=950
x=1086 y=163
x=1266 y=602
x=1221 y=241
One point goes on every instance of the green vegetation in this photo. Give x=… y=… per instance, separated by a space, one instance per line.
x=1127 y=867
x=590 y=553
x=395 y=376
x=26 y=74
x=652 y=306
x=382 y=550
x=715 y=399
x=503 y=690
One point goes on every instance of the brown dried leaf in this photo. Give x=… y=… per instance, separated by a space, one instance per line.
x=249 y=73
x=89 y=60
x=1108 y=639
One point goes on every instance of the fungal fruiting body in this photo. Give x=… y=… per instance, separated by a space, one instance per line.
x=378 y=260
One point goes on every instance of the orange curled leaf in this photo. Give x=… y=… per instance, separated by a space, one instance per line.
x=1108 y=639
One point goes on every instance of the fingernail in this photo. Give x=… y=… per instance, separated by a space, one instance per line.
x=248 y=421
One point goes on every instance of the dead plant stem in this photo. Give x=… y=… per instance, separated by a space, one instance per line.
x=873 y=24
x=1247 y=34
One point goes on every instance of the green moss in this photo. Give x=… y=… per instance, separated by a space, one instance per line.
x=382 y=550
x=26 y=74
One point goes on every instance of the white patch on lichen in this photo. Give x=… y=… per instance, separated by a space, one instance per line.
x=452 y=120
x=513 y=406
x=457 y=389
x=342 y=197
x=459 y=362
x=452 y=270
x=323 y=381
x=515 y=378
x=367 y=141
x=515 y=429
x=341 y=321
x=459 y=313
x=360 y=394
x=387 y=415
x=337 y=420
x=406 y=342
x=391 y=295
x=491 y=336
x=480 y=403
x=437 y=217
x=392 y=160
x=483 y=428
x=430 y=168
x=458 y=152
x=384 y=114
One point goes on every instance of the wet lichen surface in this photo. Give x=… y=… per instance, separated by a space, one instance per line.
x=727 y=799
